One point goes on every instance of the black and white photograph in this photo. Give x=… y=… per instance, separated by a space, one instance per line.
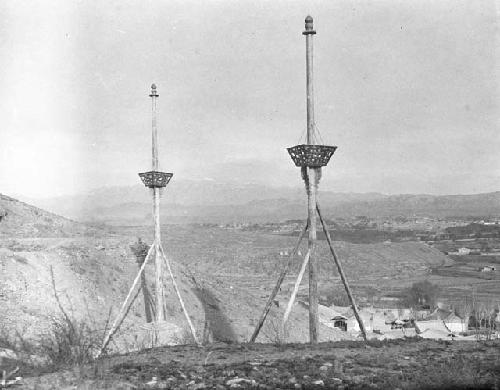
x=249 y=194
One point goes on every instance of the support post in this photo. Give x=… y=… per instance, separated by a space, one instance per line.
x=342 y=275
x=147 y=299
x=160 y=290
x=186 y=314
x=159 y=286
x=277 y=287
x=140 y=251
x=119 y=318
x=311 y=186
x=311 y=243
x=296 y=287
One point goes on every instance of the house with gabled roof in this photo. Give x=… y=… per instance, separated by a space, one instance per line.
x=455 y=324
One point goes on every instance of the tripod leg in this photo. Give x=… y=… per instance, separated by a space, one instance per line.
x=276 y=289
x=145 y=292
x=122 y=313
x=151 y=304
x=167 y=262
x=296 y=287
x=342 y=275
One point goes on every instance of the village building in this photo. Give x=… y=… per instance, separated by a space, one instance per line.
x=340 y=322
x=456 y=324
x=383 y=324
x=433 y=329
x=463 y=251
x=452 y=322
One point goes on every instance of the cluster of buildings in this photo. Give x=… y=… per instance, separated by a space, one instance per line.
x=383 y=324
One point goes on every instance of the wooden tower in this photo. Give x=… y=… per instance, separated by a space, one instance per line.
x=155 y=180
x=310 y=157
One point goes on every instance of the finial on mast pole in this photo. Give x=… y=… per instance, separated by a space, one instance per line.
x=153 y=91
x=309 y=26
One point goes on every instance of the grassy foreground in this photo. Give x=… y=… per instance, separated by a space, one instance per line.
x=403 y=364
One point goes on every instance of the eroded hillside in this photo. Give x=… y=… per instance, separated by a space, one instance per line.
x=19 y=219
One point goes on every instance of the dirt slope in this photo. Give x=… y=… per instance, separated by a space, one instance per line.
x=19 y=219
x=92 y=277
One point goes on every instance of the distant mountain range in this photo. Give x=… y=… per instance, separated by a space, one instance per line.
x=214 y=201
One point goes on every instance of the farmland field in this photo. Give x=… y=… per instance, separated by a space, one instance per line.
x=235 y=262
x=226 y=276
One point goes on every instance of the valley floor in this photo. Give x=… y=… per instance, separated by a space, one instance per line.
x=403 y=364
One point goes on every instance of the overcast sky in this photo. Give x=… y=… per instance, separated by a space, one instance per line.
x=407 y=90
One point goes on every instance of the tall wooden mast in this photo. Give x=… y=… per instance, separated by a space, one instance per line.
x=310 y=157
x=311 y=186
x=155 y=180
x=159 y=285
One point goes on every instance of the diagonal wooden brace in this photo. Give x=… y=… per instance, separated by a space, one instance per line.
x=120 y=317
x=169 y=268
x=277 y=287
x=296 y=287
x=342 y=275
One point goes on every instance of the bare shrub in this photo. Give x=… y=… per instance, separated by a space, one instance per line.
x=69 y=342
x=276 y=332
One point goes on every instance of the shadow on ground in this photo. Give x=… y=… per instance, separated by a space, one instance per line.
x=216 y=323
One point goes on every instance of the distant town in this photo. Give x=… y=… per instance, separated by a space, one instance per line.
x=456 y=236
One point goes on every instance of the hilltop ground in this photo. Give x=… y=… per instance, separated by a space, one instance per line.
x=225 y=277
x=410 y=364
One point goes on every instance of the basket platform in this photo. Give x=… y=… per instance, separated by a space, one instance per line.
x=312 y=156
x=155 y=179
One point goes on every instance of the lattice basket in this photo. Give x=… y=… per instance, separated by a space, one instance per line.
x=312 y=156
x=155 y=179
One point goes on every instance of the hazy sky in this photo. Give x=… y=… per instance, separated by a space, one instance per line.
x=408 y=90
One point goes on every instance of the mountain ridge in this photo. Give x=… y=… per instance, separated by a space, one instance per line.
x=212 y=201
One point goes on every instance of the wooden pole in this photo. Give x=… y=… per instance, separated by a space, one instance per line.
x=311 y=187
x=140 y=251
x=342 y=275
x=160 y=307
x=186 y=314
x=276 y=289
x=296 y=287
x=154 y=141
x=147 y=299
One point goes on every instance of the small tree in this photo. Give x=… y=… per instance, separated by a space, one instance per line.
x=421 y=294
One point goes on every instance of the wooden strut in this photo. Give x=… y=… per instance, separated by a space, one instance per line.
x=167 y=262
x=296 y=287
x=147 y=298
x=285 y=270
x=342 y=275
x=277 y=287
x=120 y=317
